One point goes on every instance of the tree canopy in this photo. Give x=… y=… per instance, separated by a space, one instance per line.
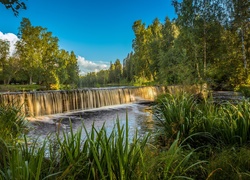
x=14 y=5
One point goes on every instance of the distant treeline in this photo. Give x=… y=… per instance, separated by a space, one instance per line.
x=209 y=41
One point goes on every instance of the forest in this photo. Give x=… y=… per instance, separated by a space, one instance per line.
x=207 y=42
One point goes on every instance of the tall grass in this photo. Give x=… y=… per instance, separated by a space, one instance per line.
x=101 y=155
x=23 y=162
x=226 y=123
x=229 y=163
x=220 y=132
x=12 y=122
x=175 y=114
x=177 y=163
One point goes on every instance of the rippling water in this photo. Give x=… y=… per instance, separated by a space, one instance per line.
x=139 y=117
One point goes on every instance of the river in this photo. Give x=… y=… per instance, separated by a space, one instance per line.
x=139 y=118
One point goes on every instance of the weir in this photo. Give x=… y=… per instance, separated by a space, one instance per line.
x=39 y=103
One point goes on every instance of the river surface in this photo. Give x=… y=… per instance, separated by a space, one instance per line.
x=139 y=118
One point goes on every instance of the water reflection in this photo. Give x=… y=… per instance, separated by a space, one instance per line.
x=139 y=117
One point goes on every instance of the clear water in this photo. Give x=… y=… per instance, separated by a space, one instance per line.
x=139 y=118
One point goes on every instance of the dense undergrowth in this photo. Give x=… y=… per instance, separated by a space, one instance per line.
x=193 y=139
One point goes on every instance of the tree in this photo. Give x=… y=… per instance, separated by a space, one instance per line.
x=28 y=48
x=49 y=50
x=112 y=73
x=4 y=55
x=12 y=67
x=89 y=80
x=102 y=77
x=61 y=66
x=139 y=45
x=72 y=69
x=37 y=50
x=14 y=5
x=154 y=47
x=129 y=67
x=118 y=71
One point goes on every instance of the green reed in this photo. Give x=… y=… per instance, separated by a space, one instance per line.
x=12 y=122
x=175 y=114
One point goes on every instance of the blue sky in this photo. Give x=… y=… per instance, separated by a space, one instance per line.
x=98 y=31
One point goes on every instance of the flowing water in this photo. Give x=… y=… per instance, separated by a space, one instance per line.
x=42 y=103
x=139 y=118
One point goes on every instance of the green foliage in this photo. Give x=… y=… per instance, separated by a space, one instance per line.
x=115 y=72
x=207 y=42
x=140 y=81
x=219 y=132
x=24 y=162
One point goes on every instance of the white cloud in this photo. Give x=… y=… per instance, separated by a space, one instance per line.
x=86 y=66
x=12 y=38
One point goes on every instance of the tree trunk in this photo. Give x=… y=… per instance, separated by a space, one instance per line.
x=197 y=63
x=205 y=3
x=30 y=80
x=9 y=79
x=204 y=49
x=243 y=48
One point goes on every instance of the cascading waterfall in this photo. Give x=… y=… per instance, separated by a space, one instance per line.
x=40 y=103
